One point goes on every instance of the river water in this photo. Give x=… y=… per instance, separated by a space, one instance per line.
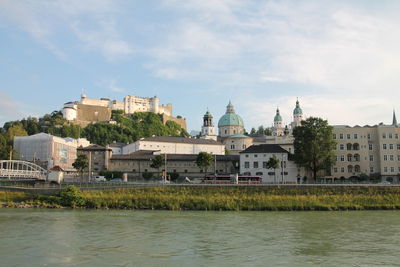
x=40 y=237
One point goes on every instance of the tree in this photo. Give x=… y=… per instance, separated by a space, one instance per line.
x=81 y=163
x=253 y=131
x=203 y=161
x=157 y=162
x=314 y=145
x=273 y=163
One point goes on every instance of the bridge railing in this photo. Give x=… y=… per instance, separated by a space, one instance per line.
x=22 y=169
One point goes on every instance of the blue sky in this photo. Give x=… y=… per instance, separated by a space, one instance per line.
x=341 y=58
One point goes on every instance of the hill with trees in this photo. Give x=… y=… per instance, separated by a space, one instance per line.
x=127 y=128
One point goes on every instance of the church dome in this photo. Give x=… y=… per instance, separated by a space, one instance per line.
x=278 y=116
x=297 y=110
x=230 y=118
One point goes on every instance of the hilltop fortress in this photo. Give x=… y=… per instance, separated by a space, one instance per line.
x=89 y=110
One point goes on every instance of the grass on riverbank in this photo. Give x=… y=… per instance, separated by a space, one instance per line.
x=219 y=198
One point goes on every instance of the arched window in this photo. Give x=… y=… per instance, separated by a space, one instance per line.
x=349 y=158
x=356 y=146
x=349 y=146
x=349 y=168
x=357 y=157
x=259 y=173
x=357 y=168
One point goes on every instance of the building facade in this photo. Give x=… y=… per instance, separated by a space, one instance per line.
x=98 y=158
x=253 y=161
x=367 y=150
x=49 y=150
x=137 y=163
x=175 y=145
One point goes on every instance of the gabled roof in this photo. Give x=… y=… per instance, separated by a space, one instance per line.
x=264 y=148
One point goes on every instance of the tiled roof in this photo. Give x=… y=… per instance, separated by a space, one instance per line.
x=265 y=148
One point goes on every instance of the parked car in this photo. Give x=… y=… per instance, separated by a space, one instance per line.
x=116 y=180
x=384 y=182
x=100 y=179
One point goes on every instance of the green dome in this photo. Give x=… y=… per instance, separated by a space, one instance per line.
x=277 y=116
x=297 y=110
x=230 y=118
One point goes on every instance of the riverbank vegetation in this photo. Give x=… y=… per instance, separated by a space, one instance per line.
x=249 y=198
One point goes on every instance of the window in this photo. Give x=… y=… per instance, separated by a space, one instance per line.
x=384 y=146
x=342 y=158
x=385 y=169
x=341 y=147
x=246 y=164
x=348 y=136
x=391 y=158
x=357 y=168
x=265 y=165
x=340 y=136
x=349 y=146
x=356 y=146
x=398 y=157
x=255 y=155
x=390 y=146
x=349 y=168
x=370 y=146
x=391 y=169
x=390 y=136
x=398 y=146
x=355 y=136
x=371 y=169
x=255 y=164
x=396 y=136
x=342 y=169
x=385 y=157
x=371 y=157
x=369 y=136
x=383 y=135
x=334 y=136
x=334 y=169
x=349 y=157
x=247 y=155
x=232 y=146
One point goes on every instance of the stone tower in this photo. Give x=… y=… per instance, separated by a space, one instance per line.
x=278 y=125
x=208 y=129
x=297 y=115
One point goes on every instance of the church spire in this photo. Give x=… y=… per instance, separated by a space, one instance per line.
x=394 y=123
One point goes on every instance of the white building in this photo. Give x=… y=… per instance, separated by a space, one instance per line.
x=253 y=161
x=175 y=145
x=129 y=105
x=48 y=149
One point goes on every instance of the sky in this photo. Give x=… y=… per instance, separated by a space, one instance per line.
x=340 y=58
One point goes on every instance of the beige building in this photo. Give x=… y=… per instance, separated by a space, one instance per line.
x=367 y=150
x=49 y=150
x=98 y=157
x=137 y=163
x=175 y=145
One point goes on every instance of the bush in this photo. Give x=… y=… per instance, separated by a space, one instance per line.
x=71 y=197
x=110 y=174
x=147 y=175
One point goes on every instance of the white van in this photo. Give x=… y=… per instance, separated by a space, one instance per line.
x=100 y=179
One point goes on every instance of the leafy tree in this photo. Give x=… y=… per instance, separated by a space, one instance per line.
x=314 y=145
x=157 y=162
x=81 y=163
x=273 y=163
x=174 y=176
x=253 y=131
x=15 y=130
x=71 y=197
x=203 y=161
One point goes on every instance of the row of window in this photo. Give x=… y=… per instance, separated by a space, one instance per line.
x=390 y=157
x=369 y=136
x=264 y=164
x=350 y=169
x=234 y=147
x=391 y=169
x=355 y=146
x=390 y=146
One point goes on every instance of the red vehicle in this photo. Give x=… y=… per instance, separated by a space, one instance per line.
x=227 y=179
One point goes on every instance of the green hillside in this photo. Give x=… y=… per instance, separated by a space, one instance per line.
x=128 y=128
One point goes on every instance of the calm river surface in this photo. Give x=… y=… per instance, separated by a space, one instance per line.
x=43 y=237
